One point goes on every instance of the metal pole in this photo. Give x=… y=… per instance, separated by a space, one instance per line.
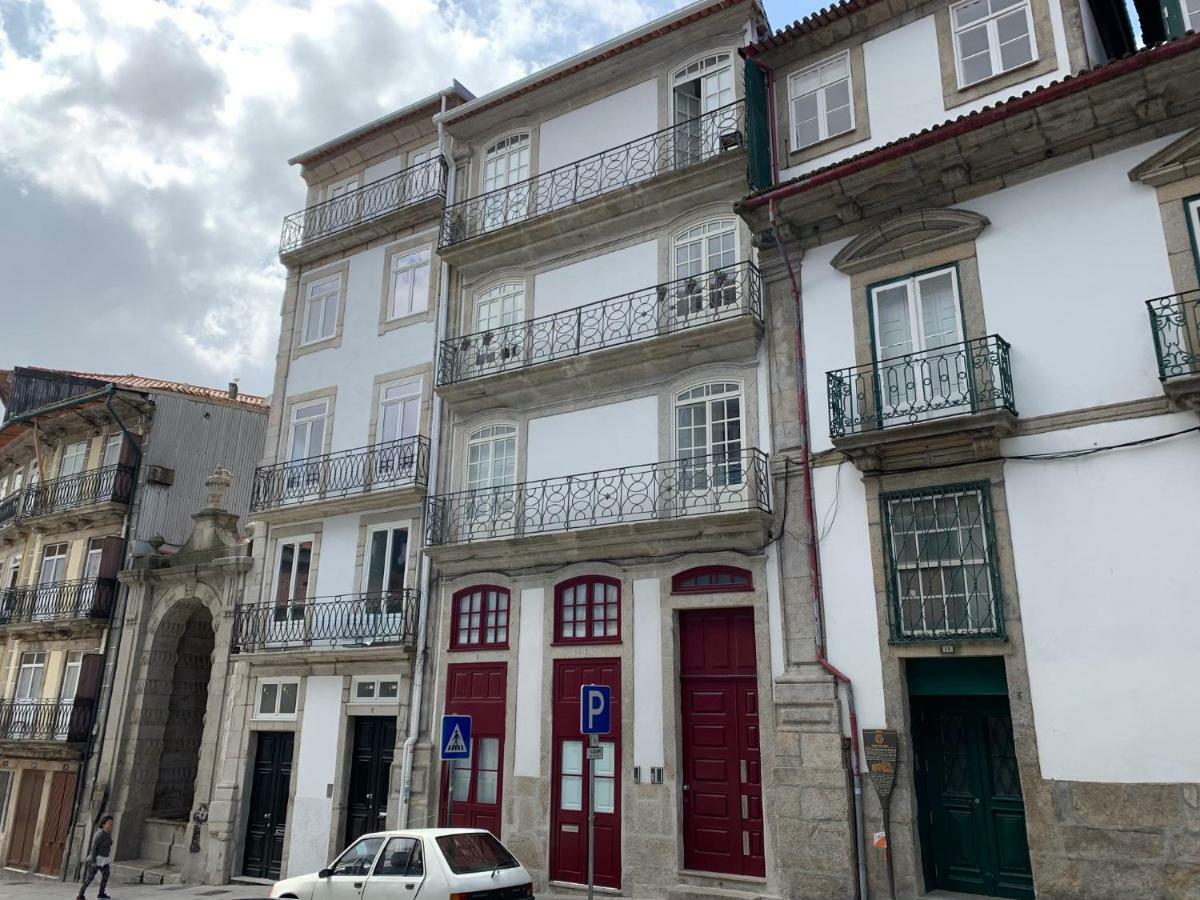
x=450 y=796
x=593 y=741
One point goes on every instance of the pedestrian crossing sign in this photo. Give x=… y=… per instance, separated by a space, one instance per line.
x=456 y=737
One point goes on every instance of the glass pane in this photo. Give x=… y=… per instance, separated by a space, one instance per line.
x=376 y=562
x=389 y=690
x=572 y=757
x=1016 y=53
x=977 y=68
x=288 y=692
x=268 y=698
x=806 y=82
x=973 y=41
x=460 y=779
x=365 y=690
x=605 y=764
x=489 y=753
x=970 y=12
x=808 y=133
x=837 y=95
x=838 y=120
x=396 y=561
x=486 y=787
x=835 y=69
x=572 y=792
x=605 y=795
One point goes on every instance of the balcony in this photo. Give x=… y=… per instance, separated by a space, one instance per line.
x=708 y=141
x=44 y=606
x=712 y=317
x=1175 y=324
x=392 y=473
x=66 y=721
x=355 y=620
x=719 y=501
x=374 y=209
x=86 y=498
x=914 y=401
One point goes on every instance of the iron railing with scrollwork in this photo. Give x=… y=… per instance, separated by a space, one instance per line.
x=424 y=181
x=1175 y=322
x=10 y=507
x=672 y=149
x=727 y=481
x=378 y=467
x=689 y=302
x=351 y=620
x=87 y=598
x=958 y=379
x=110 y=484
x=45 y=720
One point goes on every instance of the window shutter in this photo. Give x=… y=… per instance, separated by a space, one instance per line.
x=87 y=691
x=110 y=556
x=758 y=129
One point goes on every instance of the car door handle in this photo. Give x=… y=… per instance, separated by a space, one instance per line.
x=358 y=884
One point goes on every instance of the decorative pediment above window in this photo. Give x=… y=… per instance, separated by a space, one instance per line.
x=1174 y=162
x=909 y=236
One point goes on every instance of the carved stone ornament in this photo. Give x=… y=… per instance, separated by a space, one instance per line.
x=216 y=485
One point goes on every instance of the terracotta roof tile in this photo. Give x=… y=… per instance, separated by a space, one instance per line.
x=142 y=383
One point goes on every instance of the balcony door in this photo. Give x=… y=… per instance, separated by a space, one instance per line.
x=382 y=605
x=66 y=694
x=708 y=474
x=73 y=458
x=491 y=476
x=701 y=89
x=293 y=568
x=31 y=678
x=708 y=249
x=496 y=345
x=399 y=417
x=505 y=170
x=53 y=571
x=915 y=320
x=306 y=445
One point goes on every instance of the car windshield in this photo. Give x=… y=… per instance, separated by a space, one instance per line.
x=474 y=852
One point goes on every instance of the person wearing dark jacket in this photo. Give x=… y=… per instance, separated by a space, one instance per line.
x=99 y=858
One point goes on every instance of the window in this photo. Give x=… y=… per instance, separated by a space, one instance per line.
x=321 y=309
x=399 y=410
x=30 y=677
x=291 y=578
x=403 y=857
x=385 y=689
x=95 y=554
x=588 y=610
x=700 y=91
x=1191 y=13
x=1192 y=204
x=712 y=580
x=308 y=430
x=506 y=162
x=942 y=577
x=485 y=765
x=416 y=157
x=475 y=851
x=358 y=857
x=409 y=292
x=704 y=248
x=341 y=188
x=277 y=698
x=480 y=618
x=501 y=305
x=54 y=564
x=14 y=569
x=112 y=450
x=492 y=457
x=73 y=458
x=6 y=777
x=571 y=783
x=990 y=37
x=384 y=569
x=822 y=101
x=708 y=435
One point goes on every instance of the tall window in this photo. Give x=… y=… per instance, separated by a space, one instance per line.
x=480 y=618
x=416 y=157
x=341 y=188
x=308 y=430
x=706 y=248
x=1191 y=13
x=505 y=169
x=990 y=37
x=14 y=569
x=708 y=435
x=321 y=309
x=485 y=761
x=410 y=284
x=30 y=677
x=1192 y=204
x=492 y=457
x=6 y=777
x=498 y=306
x=73 y=458
x=66 y=693
x=700 y=90
x=54 y=564
x=821 y=101
x=95 y=553
x=942 y=576
x=292 y=569
x=399 y=410
x=112 y=450
x=383 y=573
x=587 y=610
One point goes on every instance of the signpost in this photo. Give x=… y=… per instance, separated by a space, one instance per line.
x=881 y=746
x=595 y=719
x=455 y=744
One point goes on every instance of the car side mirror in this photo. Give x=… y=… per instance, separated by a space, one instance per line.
x=325 y=873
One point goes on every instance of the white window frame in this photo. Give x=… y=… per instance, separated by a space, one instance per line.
x=401 y=263
x=295 y=605
x=518 y=144
x=36 y=661
x=916 y=326
x=307 y=420
x=112 y=450
x=681 y=399
x=65 y=556
x=312 y=296
x=94 y=554
x=993 y=40
x=491 y=435
x=14 y=570
x=415 y=388
x=824 y=133
x=1191 y=209
x=78 y=451
x=498 y=296
x=377 y=681
x=341 y=188
x=390 y=528
x=425 y=154
x=276 y=715
x=700 y=233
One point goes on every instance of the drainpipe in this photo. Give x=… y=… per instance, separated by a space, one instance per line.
x=426 y=579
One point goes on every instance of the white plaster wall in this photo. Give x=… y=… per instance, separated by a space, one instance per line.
x=648 y=715
x=599 y=437
x=775 y=612
x=335 y=564
x=527 y=747
x=598 y=278
x=612 y=120
x=1105 y=550
x=316 y=767
x=828 y=332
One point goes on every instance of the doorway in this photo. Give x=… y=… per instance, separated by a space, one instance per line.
x=57 y=824
x=370 y=775
x=968 y=783
x=25 y=819
x=476 y=785
x=270 y=783
x=180 y=757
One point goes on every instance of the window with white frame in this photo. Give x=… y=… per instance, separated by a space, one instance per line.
x=991 y=37
x=705 y=248
x=30 y=677
x=699 y=91
x=416 y=157
x=384 y=568
x=503 y=304
x=399 y=409
x=308 y=430
x=822 y=101
x=14 y=569
x=66 y=693
x=492 y=457
x=321 y=309
x=375 y=689
x=293 y=568
x=112 y=450
x=1191 y=14
x=506 y=162
x=409 y=291
x=341 y=188
x=708 y=435
x=73 y=458
x=95 y=554
x=54 y=564
x=277 y=698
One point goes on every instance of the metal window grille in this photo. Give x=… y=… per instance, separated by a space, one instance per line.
x=1175 y=324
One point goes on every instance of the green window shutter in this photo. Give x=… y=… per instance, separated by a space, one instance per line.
x=758 y=129
x=1172 y=13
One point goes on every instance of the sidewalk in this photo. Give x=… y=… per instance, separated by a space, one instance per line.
x=22 y=886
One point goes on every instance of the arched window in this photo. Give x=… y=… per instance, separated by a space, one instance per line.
x=479 y=618
x=708 y=249
x=500 y=305
x=506 y=162
x=587 y=610
x=712 y=580
x=708 y=435
x=492 y=457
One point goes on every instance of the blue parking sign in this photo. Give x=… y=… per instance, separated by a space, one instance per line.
x=595 y=709
x=456 y=737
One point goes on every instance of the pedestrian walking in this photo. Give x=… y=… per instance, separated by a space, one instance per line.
x=99 y=859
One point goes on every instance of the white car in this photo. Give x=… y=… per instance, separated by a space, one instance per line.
x=432 y=863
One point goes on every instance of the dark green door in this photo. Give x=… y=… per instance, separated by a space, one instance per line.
x=969 y=797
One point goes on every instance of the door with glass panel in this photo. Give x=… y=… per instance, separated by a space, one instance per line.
x=53 y=571
x=394 y=458
x=473 y=789
x=68 y=491
x=290 y=593
x=505 y=170
x=705 y=282
x=66 y=694
x=305 y=448
x=498 y=341
x=709 y=473
x=701 y=93
x=380 y=613
x=919 y=372
x=31 y=678
x=491 y=507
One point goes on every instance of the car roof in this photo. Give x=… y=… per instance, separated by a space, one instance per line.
x=425 y=832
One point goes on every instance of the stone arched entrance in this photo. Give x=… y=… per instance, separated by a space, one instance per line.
x=187 y=695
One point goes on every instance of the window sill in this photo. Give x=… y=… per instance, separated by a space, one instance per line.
x=835 y=142
x=329 y=343
x=476 y=648
x=586 y=643
x=416 y=318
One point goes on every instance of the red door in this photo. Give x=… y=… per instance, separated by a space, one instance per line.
x=477 y=691
x=58 y=822
x=722 y=777
x=569 y=790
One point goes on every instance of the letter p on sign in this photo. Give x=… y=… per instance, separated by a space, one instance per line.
x=595 y=709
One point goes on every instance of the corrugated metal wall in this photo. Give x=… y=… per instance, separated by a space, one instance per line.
x=193 y=438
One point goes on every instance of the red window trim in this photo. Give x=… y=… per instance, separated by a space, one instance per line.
x=561 y=588
x=481 y=645
x=678 y=586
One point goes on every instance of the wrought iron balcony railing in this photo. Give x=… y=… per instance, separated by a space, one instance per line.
x=110 y=484
x=424 y=181
x=672 y=149
x=10 y=507
x=352 y=620
x=660 y=310
x=1175 y=322
x=45 y=720
x=695 y=486
x=88 y=598
x=379 y=467
x=958 y=379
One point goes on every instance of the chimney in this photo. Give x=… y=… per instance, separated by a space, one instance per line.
x=233 y=390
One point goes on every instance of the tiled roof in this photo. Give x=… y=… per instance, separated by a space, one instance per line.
x=142 y=383
x=810 y=23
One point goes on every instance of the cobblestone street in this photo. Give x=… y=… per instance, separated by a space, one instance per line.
x=21 y=886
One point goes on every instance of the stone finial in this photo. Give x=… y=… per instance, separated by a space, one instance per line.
x=217 y=484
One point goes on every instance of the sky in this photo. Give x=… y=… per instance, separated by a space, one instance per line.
x=144 y=148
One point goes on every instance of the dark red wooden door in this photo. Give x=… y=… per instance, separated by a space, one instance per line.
x=25 y=818
x=571 y=768
x=478 y=691
x=722 y=768
x=58 y=823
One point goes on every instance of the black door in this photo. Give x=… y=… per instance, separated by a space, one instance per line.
x=370 y=775
x=969 y=797
x=268 y=804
